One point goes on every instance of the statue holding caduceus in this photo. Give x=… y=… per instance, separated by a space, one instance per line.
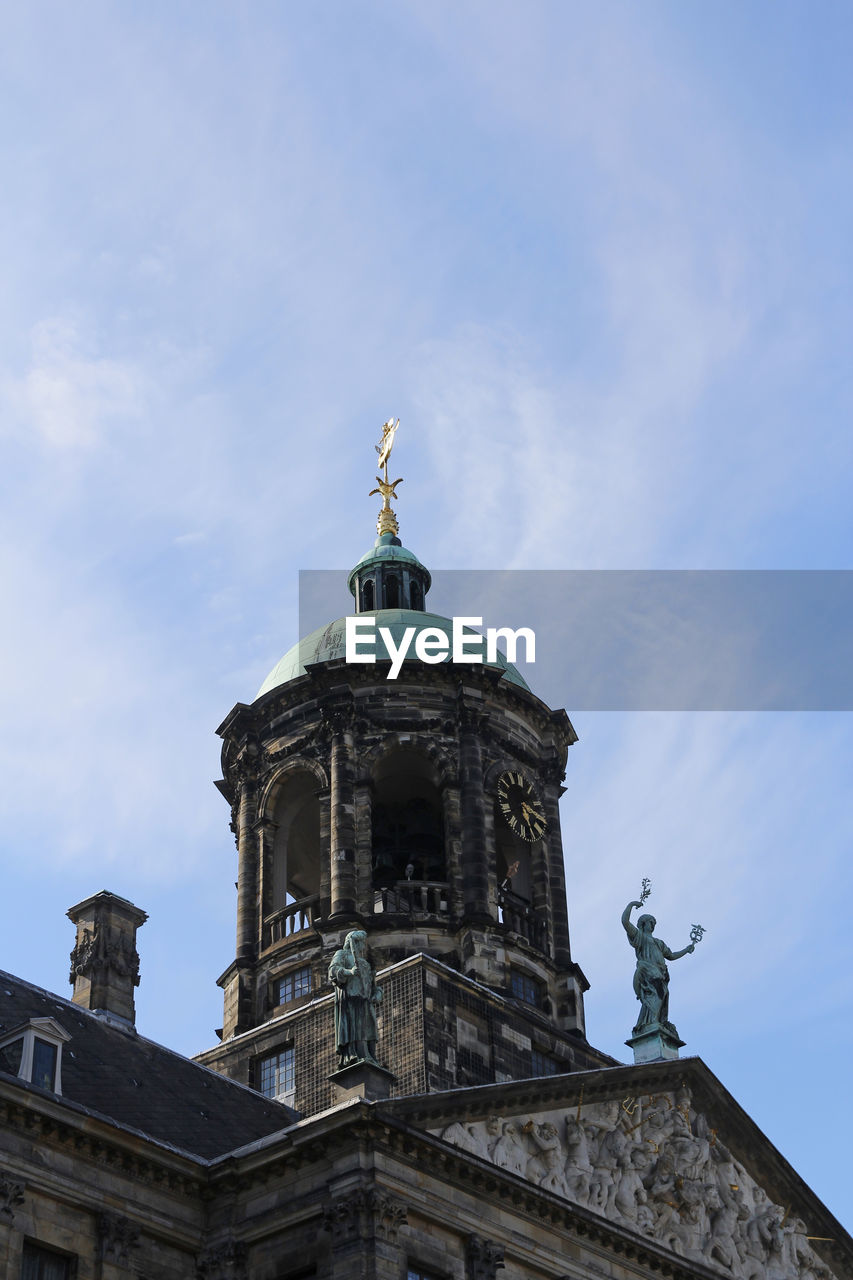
x=387 y=522
x=651 y=976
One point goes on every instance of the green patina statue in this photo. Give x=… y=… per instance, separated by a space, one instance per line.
x=651 y=976
x=356 y=1000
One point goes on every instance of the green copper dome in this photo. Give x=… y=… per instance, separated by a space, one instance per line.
x=328 y=643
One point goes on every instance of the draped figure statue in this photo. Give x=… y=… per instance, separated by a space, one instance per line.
x=357 y=998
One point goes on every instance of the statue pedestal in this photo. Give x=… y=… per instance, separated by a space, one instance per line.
x=655 y=1044
x=362 y=1080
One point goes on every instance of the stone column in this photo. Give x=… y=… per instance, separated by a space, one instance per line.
x=239 y=992
x=452 y=805
x=247 y=871
x=364 y=1224
x=324 y=796
x=343 y=891
x=475 y=869
x=556 y=870
x=265 y=830
x=117 y=1239
x=11 y=1199
x=363 y=799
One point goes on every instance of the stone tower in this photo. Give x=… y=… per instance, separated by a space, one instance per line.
x=422 y=809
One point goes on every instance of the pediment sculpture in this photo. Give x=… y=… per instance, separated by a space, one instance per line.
x=655 y=1165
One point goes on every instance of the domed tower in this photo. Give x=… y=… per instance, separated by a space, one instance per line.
x=422 y=809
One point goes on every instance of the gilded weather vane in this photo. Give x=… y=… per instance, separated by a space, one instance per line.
x=387 y=522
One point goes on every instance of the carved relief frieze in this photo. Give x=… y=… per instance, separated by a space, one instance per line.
x=655 y=1165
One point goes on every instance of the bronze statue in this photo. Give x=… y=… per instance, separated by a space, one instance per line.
x=651 y=976
x=356 y=1000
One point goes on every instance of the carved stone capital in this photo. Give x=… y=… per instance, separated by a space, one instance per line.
x=363 y=1214
x=470 y=718
x=11 y=1197
x=223 y=1261
x=117 y=1237
x=483 y=1258
x=338 y=718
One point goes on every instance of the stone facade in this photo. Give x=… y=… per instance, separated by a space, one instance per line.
x=429 y=1184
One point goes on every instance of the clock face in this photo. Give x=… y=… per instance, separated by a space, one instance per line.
x=521 y=806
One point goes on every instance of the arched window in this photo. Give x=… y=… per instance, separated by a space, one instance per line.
x=416 y=596
x=367 y=596
x=392 y=591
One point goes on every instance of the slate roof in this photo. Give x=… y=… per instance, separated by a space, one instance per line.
x=140 y=1085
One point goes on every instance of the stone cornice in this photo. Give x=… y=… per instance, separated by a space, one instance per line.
x=68 y=1126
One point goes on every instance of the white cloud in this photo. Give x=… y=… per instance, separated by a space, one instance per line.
x=70 y=396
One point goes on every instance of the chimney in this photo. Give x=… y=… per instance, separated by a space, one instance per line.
x=105 y=962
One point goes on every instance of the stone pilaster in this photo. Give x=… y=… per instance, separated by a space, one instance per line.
x=475 y=861
x=483 y=1259
x=364 y=1225
x=452 y=805
x=11 y=1199
x=559 y=914
x=324 y=796
x=117 y=1240
x=226 y=1260
x=363 y=799
x=343 y=883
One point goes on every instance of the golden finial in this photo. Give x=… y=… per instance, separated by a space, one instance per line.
x=387 y=522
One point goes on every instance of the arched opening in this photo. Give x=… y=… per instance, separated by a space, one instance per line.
x=368 y=597
x=513 y=861
x=297 y=851
x=416 y=597
x=392 y=591
x=407 y=821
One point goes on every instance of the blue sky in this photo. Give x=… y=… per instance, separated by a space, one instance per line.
x=597 y=259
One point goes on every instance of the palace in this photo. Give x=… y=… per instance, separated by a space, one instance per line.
x=490 y=1138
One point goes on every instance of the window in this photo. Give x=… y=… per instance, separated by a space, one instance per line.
x=542 y=1065
x=33 y=1052
x=294 y=984
x=43 y=1264
x=276 y=1077
x=418 y=1273
x=44 y=1063
x=525 y=988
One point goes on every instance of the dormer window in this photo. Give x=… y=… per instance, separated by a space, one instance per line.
x=33 y=1052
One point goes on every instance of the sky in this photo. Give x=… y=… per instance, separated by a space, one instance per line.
x=596 y=257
